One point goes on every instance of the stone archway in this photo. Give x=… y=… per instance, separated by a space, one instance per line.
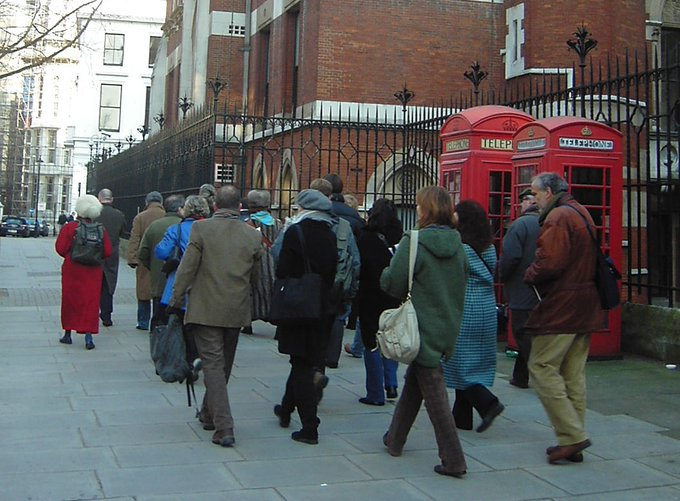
x=287 y=186
x=399 y=178
x=260 y=178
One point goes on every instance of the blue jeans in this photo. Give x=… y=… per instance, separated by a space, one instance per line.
x=357 y=347
x=381 y=373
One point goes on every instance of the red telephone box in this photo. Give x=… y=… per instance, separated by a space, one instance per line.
x=476 y=163
x=476 y=159
x=588 y=155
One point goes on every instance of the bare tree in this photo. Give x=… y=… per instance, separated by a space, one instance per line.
x=42 y=34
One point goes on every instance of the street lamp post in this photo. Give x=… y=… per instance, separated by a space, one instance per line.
x=39 y=161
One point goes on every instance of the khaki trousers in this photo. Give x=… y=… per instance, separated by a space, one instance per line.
x=217 y=347
x=557 y=373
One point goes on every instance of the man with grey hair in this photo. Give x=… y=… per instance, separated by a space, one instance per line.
x=261 y=219
x=146 y=255
x=114 y=222
x=217 y=270
x=563 y=277
x=153 y=210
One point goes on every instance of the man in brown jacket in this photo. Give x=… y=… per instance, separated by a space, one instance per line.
x=153 y=210
x=562 y=275
x=219 y=266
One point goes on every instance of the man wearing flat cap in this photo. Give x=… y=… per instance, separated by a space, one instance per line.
x=519 y=247
x=153 y=210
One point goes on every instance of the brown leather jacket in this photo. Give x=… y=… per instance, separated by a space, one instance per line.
x=563 y=272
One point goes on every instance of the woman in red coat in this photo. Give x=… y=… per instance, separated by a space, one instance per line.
x=80 y=284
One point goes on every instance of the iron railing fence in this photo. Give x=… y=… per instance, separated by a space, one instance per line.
x=390 y=151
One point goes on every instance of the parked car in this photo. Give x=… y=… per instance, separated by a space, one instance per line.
x=45 y=228
x=15 y=226
x=34 y=227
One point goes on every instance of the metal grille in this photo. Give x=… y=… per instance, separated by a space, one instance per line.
x=393 y=154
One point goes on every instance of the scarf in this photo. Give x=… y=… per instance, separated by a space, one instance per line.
x=263 y=217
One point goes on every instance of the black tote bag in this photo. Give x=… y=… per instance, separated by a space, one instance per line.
x=296 y=301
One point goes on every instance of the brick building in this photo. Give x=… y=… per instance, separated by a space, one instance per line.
x=293 y=89
x=298 y=53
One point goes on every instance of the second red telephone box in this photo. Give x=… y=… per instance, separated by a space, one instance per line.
x=588 y=155
x=476 y=159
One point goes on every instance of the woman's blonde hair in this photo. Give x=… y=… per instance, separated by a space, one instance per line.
x=195 y=206
x=436 y=207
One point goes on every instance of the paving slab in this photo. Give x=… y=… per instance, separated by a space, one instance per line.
x=77 y=424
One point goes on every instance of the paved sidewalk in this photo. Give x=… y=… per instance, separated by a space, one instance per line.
x=77 y=424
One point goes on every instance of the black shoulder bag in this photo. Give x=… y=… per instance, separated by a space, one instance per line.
x=296 y=301
x=606 y=274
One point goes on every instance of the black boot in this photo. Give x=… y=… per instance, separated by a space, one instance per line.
x=66 y=338
x=486 y=403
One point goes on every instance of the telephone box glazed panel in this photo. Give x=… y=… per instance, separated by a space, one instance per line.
x=588 y=155
x=476 y=161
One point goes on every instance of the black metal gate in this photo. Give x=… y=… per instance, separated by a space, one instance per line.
x=393 y=153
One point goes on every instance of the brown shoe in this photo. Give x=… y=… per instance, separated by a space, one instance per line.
x=391 y=450
x=443 y=471
x=575 y=458
x=560 y=452
x=225 y=438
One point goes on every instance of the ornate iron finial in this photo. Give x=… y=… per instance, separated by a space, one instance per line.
x=216 y=85
x=143 y=130
x=159 y=119
x=185 y=104
x=582 y=43
x=118 y=146
x=404 y=96
x=476 y=75
x=130 y=139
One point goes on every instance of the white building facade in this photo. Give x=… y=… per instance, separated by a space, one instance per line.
x=110 y=105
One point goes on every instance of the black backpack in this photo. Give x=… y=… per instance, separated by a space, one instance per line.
x=88 y=244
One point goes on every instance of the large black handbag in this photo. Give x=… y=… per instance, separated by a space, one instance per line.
x=172 y=263
x=296 y=301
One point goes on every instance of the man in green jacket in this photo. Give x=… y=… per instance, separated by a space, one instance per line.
x=145 y=255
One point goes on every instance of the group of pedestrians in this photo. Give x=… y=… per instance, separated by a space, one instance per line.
x=230 y=258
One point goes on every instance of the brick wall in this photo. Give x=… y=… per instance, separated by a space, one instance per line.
x=616 y=26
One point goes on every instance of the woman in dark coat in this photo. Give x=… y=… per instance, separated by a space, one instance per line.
x=80 y=284
x=306 y=344
x=377 y=244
